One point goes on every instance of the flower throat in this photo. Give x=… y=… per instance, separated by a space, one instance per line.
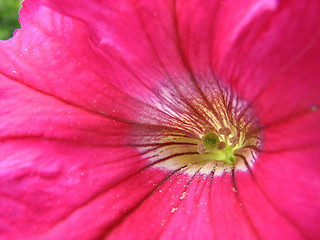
x=219 y=134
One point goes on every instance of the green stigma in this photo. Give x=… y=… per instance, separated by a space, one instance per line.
x=216 y=149
x=211 y=141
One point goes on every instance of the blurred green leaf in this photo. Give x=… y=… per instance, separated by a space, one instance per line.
x=9 y=17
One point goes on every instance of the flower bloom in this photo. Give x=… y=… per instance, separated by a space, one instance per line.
x=161 y=120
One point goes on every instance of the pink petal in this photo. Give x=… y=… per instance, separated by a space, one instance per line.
x=243 y=43
x=55 y=159
x=153 y=40
x=28 y=113
x=140 y=56
x=208 y=30
x=42 y=183
x=54 y=55
x=56 y=153
x=282 y=192
x=203 y=207
x=93 y=218
x=268 y=221
x=290 y=180
x=107 y=67
x=272 y=61
x=298 y=133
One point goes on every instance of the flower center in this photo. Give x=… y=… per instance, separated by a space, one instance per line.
x=219 y=133
x=213 y=148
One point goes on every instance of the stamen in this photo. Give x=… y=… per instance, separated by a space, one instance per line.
x=225 y=131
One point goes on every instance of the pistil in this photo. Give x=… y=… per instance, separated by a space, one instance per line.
x=215 y=148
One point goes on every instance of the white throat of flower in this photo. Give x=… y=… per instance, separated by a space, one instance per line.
x=221 y=137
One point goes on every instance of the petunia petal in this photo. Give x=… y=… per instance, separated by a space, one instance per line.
x=243 y=43
x=53 y=54
x=272 y=61
x=208 y=30
x=76 y=87
x=285 y=180
x=299 y=132
x=295 y=199
x=266 y=219
x=28 y=113
x=43 y=183
x=166 y=44
x=56 y=154
x=138 y=41
x=201 y=206
x=94 y=218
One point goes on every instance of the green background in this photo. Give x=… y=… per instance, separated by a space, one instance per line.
x=9 y=17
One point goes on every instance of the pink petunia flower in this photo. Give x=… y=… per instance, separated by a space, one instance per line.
x=190 y=119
